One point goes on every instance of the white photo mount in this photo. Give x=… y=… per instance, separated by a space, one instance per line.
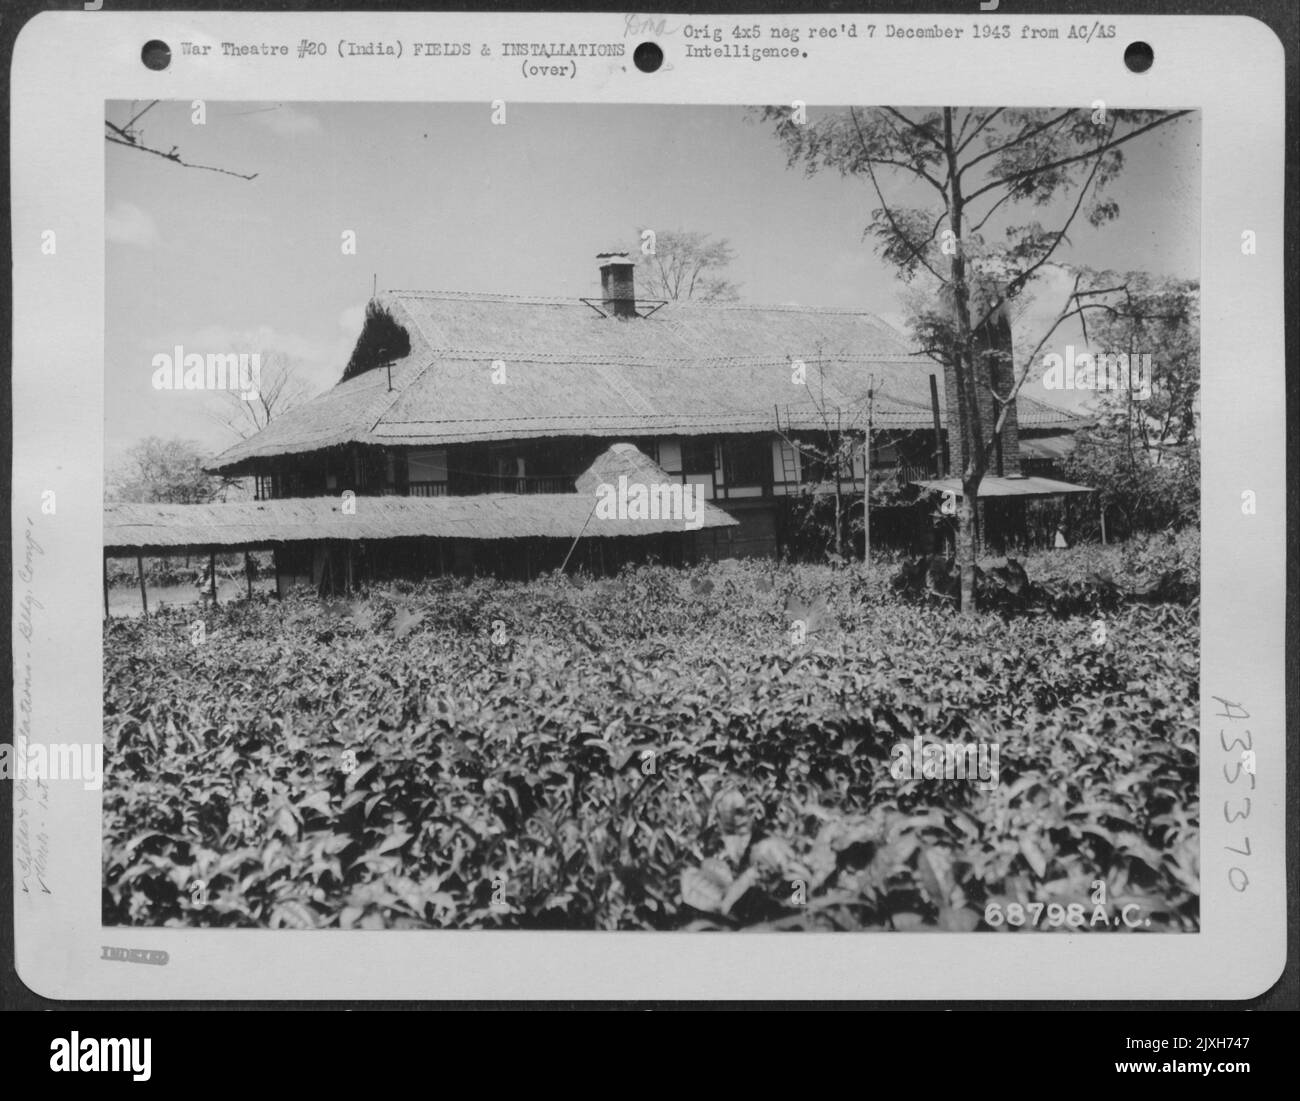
x=67 y=65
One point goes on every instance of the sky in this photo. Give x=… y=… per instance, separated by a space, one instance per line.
x=439 y=198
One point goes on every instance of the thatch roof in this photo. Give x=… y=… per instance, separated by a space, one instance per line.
x=569 y=371
x=146 y=528
x=136 y=528
x=622 y=460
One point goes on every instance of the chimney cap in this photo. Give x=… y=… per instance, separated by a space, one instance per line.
x=620 y=257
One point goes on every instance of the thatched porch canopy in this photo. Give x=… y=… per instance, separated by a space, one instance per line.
x=157 y=529
x=162 y=528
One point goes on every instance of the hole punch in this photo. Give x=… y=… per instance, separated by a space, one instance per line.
x=1139 y=57
x=648 y=57
x=156 y=55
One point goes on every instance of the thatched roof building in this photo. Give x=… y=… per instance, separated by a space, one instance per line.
x=496 y=367
x=751 y=407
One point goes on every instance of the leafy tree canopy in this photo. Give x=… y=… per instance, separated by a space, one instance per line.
x=158 y=471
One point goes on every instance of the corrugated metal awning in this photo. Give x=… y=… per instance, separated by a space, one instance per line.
x=992 y=486
x=1047 y=447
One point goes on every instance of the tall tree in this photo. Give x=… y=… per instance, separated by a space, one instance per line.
x=832 y=451
x=280 y=388
x=968 y=165
x=1142 y=452
x=684 y=265
x=1157 y=316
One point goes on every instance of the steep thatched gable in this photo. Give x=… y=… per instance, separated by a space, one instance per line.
x=382 y=340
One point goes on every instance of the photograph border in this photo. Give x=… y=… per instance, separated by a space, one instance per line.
x=1242 y=125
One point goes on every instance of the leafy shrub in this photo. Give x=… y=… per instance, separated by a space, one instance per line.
x=647 y=752
x=1139 y=490
x=1156 y=569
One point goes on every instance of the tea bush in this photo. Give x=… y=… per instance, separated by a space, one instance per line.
x=704 y=748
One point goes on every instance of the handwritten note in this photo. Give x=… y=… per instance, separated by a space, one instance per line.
x=31 y=798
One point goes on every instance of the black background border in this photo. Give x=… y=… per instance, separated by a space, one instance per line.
x=1282 y=16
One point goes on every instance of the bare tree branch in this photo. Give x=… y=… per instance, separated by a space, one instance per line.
x=1014 y=287
x=174 y=157
x=127 y=128
x=1010 y=399
x=128 y=137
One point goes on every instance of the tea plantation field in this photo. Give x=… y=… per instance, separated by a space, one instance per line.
x=703 y=749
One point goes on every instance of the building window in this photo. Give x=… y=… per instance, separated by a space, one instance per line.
x=746 y=460
x=509 y=472
x=697 y=455
x=786 y=463
x=426 y=473
x=668 y=454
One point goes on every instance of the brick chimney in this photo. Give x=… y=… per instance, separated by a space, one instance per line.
x=993 y=366
x=617 y=286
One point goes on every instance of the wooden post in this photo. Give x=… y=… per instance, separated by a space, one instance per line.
x=106 y=586
x=212 y=576
x=144 y=600
x=580 y=534
x=248 y=575
x=1103 y=525
x=866 y=498
x=347 y=578
x=275 y=563
x=940 y=468
x=866 y=474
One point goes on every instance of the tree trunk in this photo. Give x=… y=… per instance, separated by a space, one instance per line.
x=967 y=543
x=839 y=530
x=866 y=496
x=967 y=381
